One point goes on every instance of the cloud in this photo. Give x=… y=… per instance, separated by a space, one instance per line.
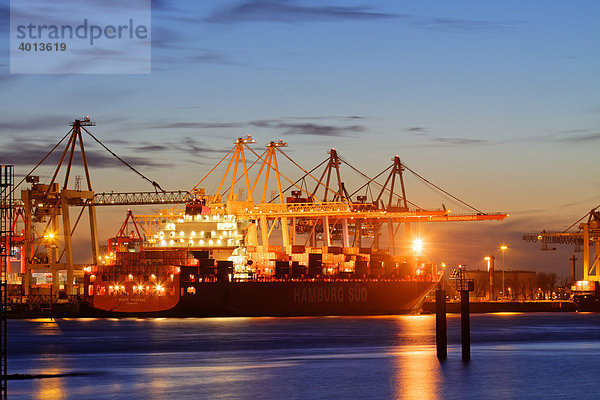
x=195 y=147
x=309 y=128
x=187 y=146
x=150 y=148
x=289 y=126
x=161 y=5
x=179 y=49
x=281 y=11
x=163 y=38
x=211 y=57
x=454 y=24
x=580 y=138
x=293 y=12
x=585 y=204
x=440 y=141
x=418 y=130
x=22 y=151
x=341 y=117
x=199 y=125
x=33 y=124
x=459 y=141
x=104 y=160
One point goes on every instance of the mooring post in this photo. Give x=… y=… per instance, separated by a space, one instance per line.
x=465 y=325
x=441 y=335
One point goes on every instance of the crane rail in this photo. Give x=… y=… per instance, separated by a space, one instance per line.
x=560 y=237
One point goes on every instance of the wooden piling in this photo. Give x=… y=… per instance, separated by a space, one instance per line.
x=465 y=325
x=441 y=336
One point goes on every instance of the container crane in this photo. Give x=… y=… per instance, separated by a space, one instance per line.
x=48 y=205
x=587 y=235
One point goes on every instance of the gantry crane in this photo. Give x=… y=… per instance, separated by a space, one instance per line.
x=587 y=235
x=311 y=213
x=48 y=205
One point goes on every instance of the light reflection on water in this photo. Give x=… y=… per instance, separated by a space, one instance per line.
x=300 y=358
x=51 y=389
x=417 y=374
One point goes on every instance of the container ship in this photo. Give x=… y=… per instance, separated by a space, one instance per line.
x=197 y=265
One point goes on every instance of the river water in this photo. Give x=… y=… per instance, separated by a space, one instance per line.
x=514 y=356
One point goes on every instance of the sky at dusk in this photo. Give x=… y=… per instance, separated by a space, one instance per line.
x=497 y=102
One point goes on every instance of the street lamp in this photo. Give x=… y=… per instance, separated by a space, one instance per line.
x=503 y=248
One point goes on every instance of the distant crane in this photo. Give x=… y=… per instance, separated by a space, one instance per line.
x=587 y=235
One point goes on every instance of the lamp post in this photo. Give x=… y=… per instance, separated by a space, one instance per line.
x=503 y=248
x=490 y=268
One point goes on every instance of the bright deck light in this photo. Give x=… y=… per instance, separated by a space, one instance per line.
x=417 y=246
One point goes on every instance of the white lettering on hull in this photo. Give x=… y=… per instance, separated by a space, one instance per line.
x=330 y=294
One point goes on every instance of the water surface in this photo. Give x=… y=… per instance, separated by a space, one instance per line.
x=543 y=355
